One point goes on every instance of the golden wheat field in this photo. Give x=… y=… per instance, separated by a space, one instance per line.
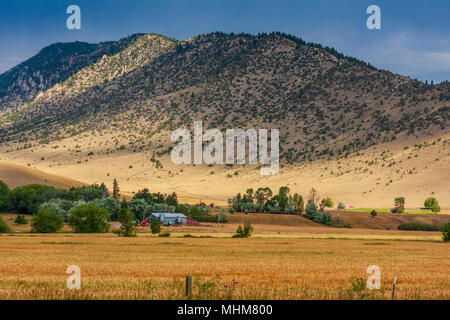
x=148 y=267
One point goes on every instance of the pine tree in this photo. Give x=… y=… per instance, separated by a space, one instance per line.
x=116 y=190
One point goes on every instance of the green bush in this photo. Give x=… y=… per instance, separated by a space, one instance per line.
x=417 y=226
x=3 y=226
x=165 y=234
x=20 y=219
x=206 y=218
x=446 y=232
x=46 y=221
x=310 y=209
x=89 y=218
x=244 y=232
x=317 y=216
x=155 y=225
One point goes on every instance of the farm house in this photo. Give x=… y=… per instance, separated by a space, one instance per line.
x=172 y=219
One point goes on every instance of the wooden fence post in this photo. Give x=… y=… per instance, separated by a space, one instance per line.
x=393 y=287
x=188 y=286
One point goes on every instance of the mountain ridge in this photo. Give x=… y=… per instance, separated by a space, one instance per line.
x=268 y=80
x=51 y=65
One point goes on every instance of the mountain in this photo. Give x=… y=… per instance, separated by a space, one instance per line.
x=52 y=65
x=343 y=123
x=325 y=104
x=142 y=51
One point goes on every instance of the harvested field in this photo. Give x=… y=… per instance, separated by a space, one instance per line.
x=147 y=267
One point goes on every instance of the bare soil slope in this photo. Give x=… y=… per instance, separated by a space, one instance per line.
x=15 y=175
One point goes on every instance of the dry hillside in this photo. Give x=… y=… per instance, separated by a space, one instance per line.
x=357 y=134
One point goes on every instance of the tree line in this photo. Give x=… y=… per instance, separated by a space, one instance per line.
x=263 y=200
x=89 y=209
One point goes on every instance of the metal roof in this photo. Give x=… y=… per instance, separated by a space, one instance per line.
x=168 y=215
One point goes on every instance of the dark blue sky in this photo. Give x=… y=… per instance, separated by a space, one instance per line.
x=414 y=39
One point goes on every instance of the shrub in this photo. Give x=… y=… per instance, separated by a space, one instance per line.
x=206 y=218
x=317 y=216
x=46 y=221
x=341 y=206
x=244 y=232
x=417 y=226
x=89 y=218
x=446 y=232
x=310 y=209
x=20 y=219
x=3 y=226
x=165 y=234
x=126 y=219
x=155 y=225
x=373 y=213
